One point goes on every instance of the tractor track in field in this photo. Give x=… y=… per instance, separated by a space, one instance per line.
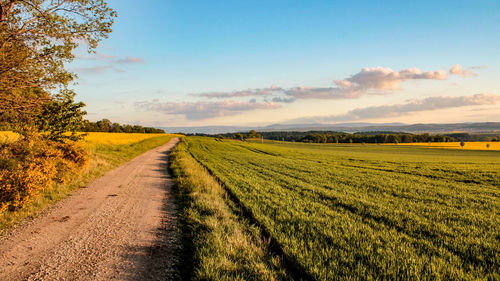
x=122 y=226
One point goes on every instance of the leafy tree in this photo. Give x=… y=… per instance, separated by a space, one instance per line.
x=37 y=39
x=116 y=128
x=127 y=129
x=60 y=117
x=104 y=125
x=487 y=146
x=252 y=134
x=462 y=144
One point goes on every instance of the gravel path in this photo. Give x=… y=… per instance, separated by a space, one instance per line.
x=121 y=227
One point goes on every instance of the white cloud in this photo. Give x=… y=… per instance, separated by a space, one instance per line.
x=368 y=79
x=205 y=110
x=243 y=93
x=458 y=70
x=375 y=80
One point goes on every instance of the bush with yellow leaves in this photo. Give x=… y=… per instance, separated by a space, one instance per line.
x=32 y=164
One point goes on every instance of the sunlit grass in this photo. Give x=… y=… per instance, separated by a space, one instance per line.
x=368 y=212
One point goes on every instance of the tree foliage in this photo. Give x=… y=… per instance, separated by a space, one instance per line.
x=61 y=120
x=37 y=39
x=107 y=126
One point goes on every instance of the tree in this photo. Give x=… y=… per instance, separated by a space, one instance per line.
x=104 y=125
x=487 y=146
x=127 y=129
x=252 y=134
x=116 y=128
x=60 y=117
x=462 y=144
x=37 y=39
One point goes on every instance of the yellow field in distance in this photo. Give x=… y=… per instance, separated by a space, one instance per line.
x=482 y=145
x=96 y=138
x=116 y=138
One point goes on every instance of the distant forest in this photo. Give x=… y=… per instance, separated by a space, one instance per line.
x=106 y=125
x=364 y=137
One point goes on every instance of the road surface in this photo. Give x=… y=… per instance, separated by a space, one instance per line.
x=120 y=227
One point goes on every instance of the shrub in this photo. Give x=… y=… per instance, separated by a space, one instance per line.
x=31 y=165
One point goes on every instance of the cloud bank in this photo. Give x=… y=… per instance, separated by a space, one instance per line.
x=396 y=110
x=204 y=110
x=374 y=80
x=368 y=79
x=244 y=93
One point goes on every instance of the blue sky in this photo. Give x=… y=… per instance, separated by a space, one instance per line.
x=163 y=54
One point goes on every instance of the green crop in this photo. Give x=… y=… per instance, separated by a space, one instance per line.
x=347 y=212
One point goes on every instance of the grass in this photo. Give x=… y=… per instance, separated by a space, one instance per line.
x=348 y=212
x=219 y=244
x=104 y=157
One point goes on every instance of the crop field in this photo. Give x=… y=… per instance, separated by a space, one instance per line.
x=97 y=138
x=116 y=138
x=349 y=212
x=480 y=145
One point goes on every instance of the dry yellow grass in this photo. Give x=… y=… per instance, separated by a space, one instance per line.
x=96 y=138
x=483 y=145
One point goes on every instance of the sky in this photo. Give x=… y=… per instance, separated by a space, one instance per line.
x=197 y=63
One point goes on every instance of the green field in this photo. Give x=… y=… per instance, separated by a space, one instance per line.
x=347 y=212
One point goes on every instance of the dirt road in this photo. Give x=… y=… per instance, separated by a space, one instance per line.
x=121 y=227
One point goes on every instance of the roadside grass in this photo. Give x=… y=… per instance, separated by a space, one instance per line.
x=219 y=243
x=103 y=158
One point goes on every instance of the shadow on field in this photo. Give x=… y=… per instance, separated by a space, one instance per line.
x=160 y=261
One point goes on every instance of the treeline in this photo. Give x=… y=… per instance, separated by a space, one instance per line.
x=340 y=137
x=378 y=138
x=106 y=125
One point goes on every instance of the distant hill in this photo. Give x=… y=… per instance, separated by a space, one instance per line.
x=346 y=127
x=207 y=129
